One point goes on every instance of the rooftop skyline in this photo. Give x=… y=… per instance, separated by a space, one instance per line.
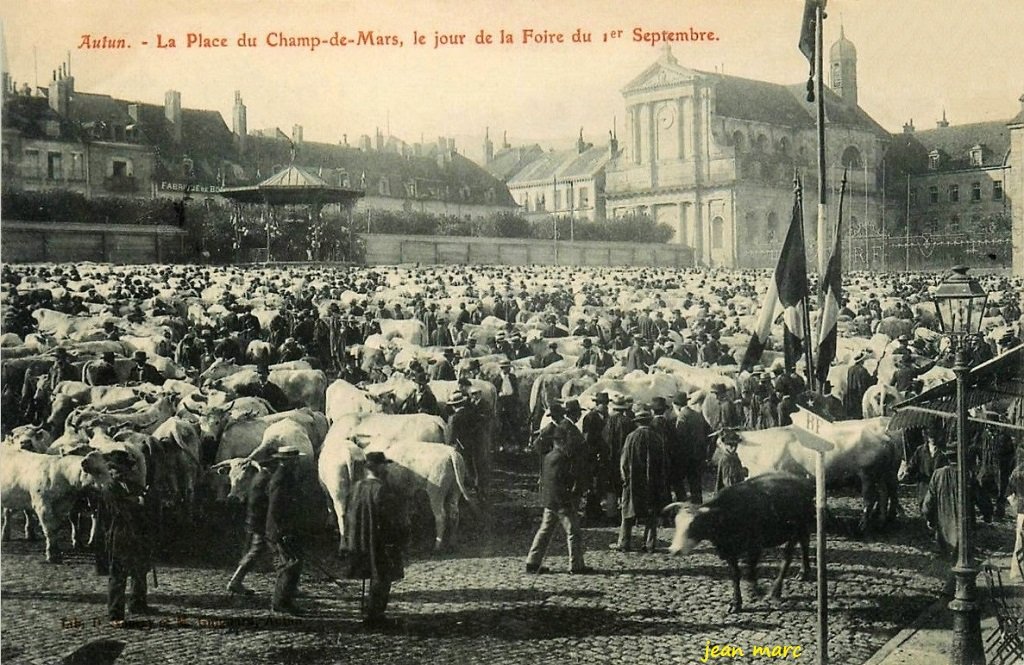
x=916 y=59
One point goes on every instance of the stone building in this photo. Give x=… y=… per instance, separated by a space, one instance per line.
x=714 y=157
x=59 y=139
x=564 y=183
x=957 y=182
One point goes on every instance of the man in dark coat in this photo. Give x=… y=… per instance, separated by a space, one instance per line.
x=692 y=433
x=551 y=357
x=423 y=400
x=377 y=536
x=266 y=389
x=287 y=509
x=143 y=372
x=127 y=539
x=102 y=372
x=557 y=481
x=256 y=504
x=464 y=433
x=858 y=380
x=617 y=427
x=593 y=443
x=443 y=369
x=506 y=386
x=924 y=462
x=644 y=486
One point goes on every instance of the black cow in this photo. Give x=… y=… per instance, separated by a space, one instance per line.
x=765 y=511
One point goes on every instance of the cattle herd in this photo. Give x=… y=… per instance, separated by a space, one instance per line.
x=441 y=367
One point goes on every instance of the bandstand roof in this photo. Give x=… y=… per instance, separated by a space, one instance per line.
x=292 y=185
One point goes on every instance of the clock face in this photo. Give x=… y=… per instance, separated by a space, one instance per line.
x=666 y=117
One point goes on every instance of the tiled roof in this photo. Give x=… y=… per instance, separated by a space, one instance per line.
x=509 y=161
x=562 y=164
x=954 y=143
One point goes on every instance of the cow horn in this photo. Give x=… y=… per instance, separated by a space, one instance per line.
x=221 y=467
x=672 y=508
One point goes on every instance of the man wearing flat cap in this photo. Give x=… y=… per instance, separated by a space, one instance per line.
x=377 y=535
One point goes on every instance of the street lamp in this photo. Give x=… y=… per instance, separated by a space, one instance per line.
x=960 y=304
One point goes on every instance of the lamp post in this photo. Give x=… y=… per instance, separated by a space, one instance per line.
x=960 y=304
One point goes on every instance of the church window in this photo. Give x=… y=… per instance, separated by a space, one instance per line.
x=851 y=158
x=975 y=191
x=717 y=233
x=933 y=194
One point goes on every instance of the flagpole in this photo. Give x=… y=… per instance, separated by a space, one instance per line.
x=819 y=85
x=808 y=354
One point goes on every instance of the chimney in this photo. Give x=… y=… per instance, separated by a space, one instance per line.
x=60 y=91
x=297 y=134
x=379 y=141
x=133 y=112
x=172 y=111
x=451 y=148
x=239 y=122
x=580 y=145
x=344 y=140
x=504 y=141
x=613 y=144
x=943 y=122
x=908 y=127
x=364 y=143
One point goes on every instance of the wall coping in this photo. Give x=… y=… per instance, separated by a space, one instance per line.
x=579 y=244
x=136 y=229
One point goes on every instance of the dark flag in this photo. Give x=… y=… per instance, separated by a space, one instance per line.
x=808 y=39
x=788 y=287
x=832 y=290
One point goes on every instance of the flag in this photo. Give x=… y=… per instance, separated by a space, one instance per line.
x=808 y=40
x=832 y=290
x=788 y=287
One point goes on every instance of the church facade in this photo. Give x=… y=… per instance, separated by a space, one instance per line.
x=714 y=157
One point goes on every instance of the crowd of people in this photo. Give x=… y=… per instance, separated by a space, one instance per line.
x=620 y=459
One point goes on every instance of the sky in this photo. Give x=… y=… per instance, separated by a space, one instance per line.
x=916 y=58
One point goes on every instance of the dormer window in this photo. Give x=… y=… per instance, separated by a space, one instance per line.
x=933 y=160
x=52 y=128
x=977 y=155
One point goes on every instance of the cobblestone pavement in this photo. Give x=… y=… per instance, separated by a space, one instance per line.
x=476 y=605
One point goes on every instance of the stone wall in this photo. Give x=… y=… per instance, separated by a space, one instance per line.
x=30 y=242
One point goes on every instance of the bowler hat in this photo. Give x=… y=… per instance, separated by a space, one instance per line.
x=587 y=342
x=729 y=436
x=601 y=398
x=377 y=457
x=659 y=404
x=108 y=356
x=718 y=387
x=139 y=355
x=619 y=403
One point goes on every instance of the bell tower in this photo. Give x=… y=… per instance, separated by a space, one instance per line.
x=843 y=69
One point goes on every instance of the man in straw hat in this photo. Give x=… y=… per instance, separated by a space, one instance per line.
x=377 y=537
x=286 y=516
x=644 y=484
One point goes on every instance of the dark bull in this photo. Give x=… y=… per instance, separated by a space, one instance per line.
x=766 y=511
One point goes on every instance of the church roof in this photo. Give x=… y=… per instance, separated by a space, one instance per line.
x=757 y=101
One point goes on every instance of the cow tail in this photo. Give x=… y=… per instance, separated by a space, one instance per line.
x=461 y=472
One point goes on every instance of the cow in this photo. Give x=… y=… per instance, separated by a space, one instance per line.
x=48 y=485
x=383 y=429
x=29 y=437
x=863 y=450
x=439 y=470
x=302 y=387
x=342 y=398
x=411 y=330
x=878 y=400
x=145 y=419
x=746 y=518
x=339 y=467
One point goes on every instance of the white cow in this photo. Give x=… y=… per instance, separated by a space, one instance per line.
x=48 y=485
x=339 y=467
x=343 y=399
x=440 y=471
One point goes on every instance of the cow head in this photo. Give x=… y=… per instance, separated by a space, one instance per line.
x=241 y=474
x=684 y=540
x=95 y=471
x=31 y=437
